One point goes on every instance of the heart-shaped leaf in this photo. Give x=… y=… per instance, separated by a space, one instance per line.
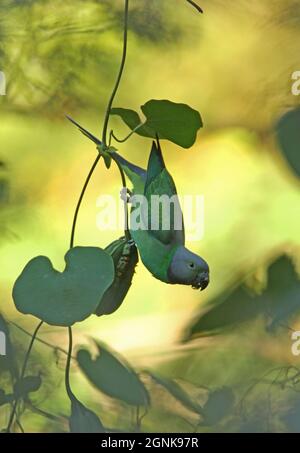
x=168 y=120
x=113 y=376
x=83 y=420
x=63 y=298
x=132 y=119
x=288 y=133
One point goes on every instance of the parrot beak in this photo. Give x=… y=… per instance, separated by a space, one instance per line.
x=201 y=281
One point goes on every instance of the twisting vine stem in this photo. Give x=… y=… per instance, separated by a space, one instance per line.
x=81 y=198
x=104 y=132
x=123 y=140
x=119 y=77
x=23 y=371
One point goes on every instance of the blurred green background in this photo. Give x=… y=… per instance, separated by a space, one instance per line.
x=233 y=64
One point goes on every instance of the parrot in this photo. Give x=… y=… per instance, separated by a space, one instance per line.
x=162 y=251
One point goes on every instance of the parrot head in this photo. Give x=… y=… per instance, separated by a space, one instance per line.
x=187 y=268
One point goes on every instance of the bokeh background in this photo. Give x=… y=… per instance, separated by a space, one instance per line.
x=234 y=64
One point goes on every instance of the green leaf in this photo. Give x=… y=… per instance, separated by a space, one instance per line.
x=178 y=123
x=113 y=376
x=288 y=134
x=132 y=120
x=168 y=120
x=177 y=392
x=278 y=303
x=219 y=404
x=27 y=385
x=83 y=420
x=62 y=299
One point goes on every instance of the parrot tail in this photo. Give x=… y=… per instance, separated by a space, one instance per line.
x=136 y=174
x=129 y=166
x=84 y=131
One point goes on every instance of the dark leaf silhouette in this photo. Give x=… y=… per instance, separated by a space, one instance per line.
x=64 y=298
x=219 y=404
x=278 y=303
x=112 y=376
x=177 y=392
x=27 y=385
x=83 y=420
x=283 y=293
x=288 y=134
x=229 y=309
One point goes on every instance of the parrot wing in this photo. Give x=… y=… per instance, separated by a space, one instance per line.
x=165 y=219
x=155 y=255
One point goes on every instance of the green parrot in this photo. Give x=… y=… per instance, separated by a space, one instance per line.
x=162 y=249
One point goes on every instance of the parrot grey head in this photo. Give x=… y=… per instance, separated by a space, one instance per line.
x=186 y=268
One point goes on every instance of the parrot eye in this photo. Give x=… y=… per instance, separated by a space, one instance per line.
x=191 y=265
